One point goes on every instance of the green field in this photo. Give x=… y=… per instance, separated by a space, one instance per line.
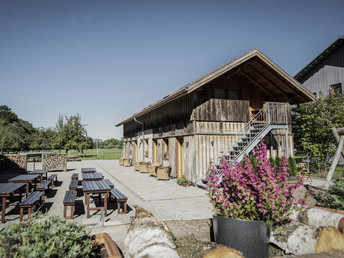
x=90 y=154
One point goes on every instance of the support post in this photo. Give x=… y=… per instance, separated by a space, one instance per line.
x=334 y=163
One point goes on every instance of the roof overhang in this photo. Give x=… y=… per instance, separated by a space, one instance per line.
x=322 y=56
x=254 y=63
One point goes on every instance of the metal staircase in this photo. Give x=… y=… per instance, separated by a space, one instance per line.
x=272 y=116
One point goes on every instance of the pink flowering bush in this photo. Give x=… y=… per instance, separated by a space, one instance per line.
x=245 y=192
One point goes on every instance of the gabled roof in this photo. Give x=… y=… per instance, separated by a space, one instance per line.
x=322 y=56
x=304 y=94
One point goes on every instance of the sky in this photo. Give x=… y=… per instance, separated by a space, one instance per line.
x=106 y=60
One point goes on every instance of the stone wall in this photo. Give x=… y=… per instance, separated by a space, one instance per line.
x=54 y=161
x=13 y=162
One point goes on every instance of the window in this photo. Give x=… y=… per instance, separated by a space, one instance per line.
x=219 y=94
x=336 y=88
x=234 y=94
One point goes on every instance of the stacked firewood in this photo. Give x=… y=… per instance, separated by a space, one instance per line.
x=13 y=162
x=54 y=161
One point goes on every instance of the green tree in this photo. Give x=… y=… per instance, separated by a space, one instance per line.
x=71 y=134
x=312 y=123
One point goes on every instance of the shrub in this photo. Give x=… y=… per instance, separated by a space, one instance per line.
x=52 y=237
x=250 y=193
x=332 y=198
x=292 y=166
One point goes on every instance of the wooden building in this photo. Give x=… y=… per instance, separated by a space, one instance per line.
x=224 y=112
x=325 y=73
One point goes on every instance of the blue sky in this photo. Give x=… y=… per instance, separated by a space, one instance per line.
x=107 y=60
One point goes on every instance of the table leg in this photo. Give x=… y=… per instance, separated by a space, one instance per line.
x=88 y=205
x=105 y=204
x=3 y=212
x=27 y=188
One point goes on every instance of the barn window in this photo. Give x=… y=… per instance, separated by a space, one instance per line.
x=219 y=94
x=336 y=88
x=234 y=94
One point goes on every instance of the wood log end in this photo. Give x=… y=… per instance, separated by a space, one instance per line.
x=224 y=253
x=329 y=239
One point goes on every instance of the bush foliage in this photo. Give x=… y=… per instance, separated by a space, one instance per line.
x=53 y=237
x=332 y=198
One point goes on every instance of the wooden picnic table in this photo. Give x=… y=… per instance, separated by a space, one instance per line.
x=95 y=187
x=28 y=179
x=7 y=190
x=88 y=170
x=92 y=177
x=40 y=172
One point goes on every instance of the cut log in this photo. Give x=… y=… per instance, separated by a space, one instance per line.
x=224 y=252
x=329 y=239
x=316 y=217
x=295 y=238
x=148 y=237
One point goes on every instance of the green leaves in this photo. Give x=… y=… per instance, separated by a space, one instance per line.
x=53 y=237
x=312 y=123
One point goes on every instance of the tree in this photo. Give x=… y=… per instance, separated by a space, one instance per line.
x=71 y=134
x=312 y=123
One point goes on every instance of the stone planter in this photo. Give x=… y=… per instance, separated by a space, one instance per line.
x=137 y=165
x=144 y=167
x=152 y=168
x=163 y=173
x=121 y=162
x=110 y=246
x=249 y=237
x=127 y=162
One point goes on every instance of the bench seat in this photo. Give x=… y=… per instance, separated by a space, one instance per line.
x=73 y=185
x=51 y=178
x=75 y=176
x=29 y=202
x=43 y=186
x=120 y=198
x=108 y=181
x=69 y=201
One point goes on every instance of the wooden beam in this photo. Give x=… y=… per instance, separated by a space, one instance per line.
x=296 y=93
x=256 y=83
x=258 y=74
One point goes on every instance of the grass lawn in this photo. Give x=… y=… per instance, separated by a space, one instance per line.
x=91 y=154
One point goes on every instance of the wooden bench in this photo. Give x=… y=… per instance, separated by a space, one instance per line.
x=43 y=186
x=29 y=202
x=75 y=176
x=108 y=181
x=120 y=198
x=69 y=201
x=51 y=178
x=73 y=185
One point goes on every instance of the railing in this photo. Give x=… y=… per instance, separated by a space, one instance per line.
x=272 y=113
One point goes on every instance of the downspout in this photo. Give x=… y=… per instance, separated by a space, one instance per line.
x=142 y=131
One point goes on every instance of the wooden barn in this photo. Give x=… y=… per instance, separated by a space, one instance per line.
x=325 y=73
x=225 y=112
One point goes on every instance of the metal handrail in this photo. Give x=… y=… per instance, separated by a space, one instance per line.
x=271 y=113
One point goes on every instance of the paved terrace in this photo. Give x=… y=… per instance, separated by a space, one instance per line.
x=165 y=199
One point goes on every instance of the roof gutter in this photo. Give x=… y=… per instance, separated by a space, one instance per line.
x=160 y=103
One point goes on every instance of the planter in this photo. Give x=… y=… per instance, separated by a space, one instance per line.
x=152 y=168
x=110 y=246
x=144 y=167
x=249 y=237
x=137 y=165
x=127 y=162
x=163 y=173
x=121 y=162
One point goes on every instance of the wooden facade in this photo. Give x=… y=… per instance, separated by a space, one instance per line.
x=200 y=122
x=325 y=73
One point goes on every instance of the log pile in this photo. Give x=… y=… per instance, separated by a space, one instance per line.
x=13 y=162
x=309 y=231
x=54 y=161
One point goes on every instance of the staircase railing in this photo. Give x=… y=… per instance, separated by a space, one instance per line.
x=272 y=113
